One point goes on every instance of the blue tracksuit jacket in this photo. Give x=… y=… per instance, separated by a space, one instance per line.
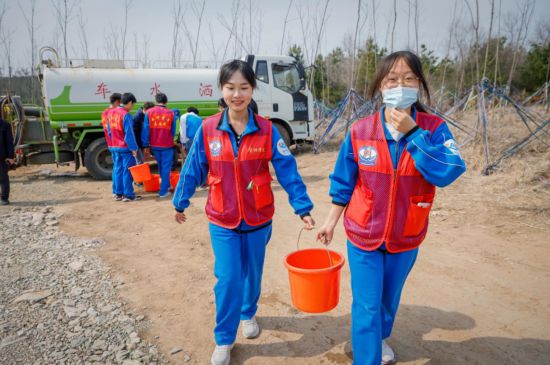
x=129 y=137
x=436 y=157
x=195 y=170
x=145 y=132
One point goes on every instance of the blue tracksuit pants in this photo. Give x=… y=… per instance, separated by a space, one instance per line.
x=377 y=279
x=164 y=159
x=118 y=190
x=238 y=267
x=122 y=178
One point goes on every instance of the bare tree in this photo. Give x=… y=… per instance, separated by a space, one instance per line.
x=127 y=5
x=543 y=34
x=304 y=25
x=374 y=7
x=259 y=29
x=250 y=44
x=31 y=30
x=56 y=42
x=358 y=27
x=6 y=38
x=417 y=24
x=521 y=29
x=213 y=47
x=489 y=37
x=83 y=34
x=319 y=30
x=136 y=50
x=145 y=46
x=498 y=42
x=235 y=16
x=111 y=43
x=394 y=22
x=284 y=26
x=409 y=24
x=373 y=39
x=64 y=13
x=198 y=12
x=452 y=27
x=461 y=42
x=254 y=28
x=388 y=34
x=6 y=42
x=475 y=26
x=233 y=31
x=176 y=29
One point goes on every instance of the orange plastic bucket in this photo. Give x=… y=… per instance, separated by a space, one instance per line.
x=153 y=184
x=174 y=178
x=314 y=276
x=141 y=173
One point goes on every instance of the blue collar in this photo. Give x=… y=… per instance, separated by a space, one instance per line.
x=251 y=127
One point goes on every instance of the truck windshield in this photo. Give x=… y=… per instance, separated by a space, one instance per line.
x=286 y=77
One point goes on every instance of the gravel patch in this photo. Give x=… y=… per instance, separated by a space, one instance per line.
x=58 y=302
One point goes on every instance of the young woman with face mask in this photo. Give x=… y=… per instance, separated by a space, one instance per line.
x=384 y=180
x=231 y=152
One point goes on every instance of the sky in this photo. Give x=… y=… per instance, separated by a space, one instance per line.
x=150 y=26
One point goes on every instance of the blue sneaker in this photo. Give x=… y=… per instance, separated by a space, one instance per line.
x=167 y=195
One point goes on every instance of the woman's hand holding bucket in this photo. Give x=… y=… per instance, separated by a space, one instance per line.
x=325 y=234
x=327 y=230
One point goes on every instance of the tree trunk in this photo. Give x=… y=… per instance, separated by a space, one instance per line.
x=394 y=23
x=284 y=27
x=351 y=81
x=489 y=38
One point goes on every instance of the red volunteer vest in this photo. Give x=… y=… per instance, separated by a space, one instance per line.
x=387 y=205
x=104 y=121
x=116 y=118
x=240 y=187
x=160 y=127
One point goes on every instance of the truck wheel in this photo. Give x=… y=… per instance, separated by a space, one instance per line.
x=98 y=160
x=284 y=133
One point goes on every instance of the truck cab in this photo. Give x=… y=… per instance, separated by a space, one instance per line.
x=282 y=96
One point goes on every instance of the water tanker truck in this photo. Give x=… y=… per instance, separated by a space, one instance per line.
x=68 y=126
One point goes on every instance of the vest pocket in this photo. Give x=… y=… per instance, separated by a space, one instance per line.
x=417 y=215
x=215 y=191
x=261 y=188
x=360 y=206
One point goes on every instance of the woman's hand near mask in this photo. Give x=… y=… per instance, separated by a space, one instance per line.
x=401 y=120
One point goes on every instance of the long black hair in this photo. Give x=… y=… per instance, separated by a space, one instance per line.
x=385 y=66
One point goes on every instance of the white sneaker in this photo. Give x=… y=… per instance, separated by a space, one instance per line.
x=250 y=328
x=388 y=356
x=221 y=355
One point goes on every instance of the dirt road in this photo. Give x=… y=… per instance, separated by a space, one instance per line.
x=478 y=294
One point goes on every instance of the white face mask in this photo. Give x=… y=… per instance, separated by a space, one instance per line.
x=400 y=97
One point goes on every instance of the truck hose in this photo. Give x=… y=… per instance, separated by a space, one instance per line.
x=11 y=110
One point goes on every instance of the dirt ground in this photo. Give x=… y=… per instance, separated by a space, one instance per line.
x=478 y=294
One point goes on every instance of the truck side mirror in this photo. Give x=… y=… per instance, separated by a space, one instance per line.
x=302 y=75
x=303 y=83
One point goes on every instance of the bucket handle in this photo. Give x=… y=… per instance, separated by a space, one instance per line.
x=326 y=247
